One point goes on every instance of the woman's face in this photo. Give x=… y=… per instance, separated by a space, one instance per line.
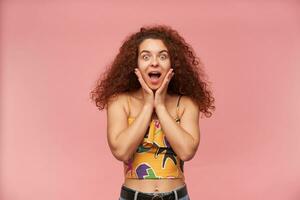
x=153 y=62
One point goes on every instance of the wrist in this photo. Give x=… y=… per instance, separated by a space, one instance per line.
x=160 y=108
x=147 y=106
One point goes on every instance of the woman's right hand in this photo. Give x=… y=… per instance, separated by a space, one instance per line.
x=148 y=94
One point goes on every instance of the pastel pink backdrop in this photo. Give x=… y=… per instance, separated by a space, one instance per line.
x=53 y=139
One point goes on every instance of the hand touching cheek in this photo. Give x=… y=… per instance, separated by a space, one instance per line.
x=160 y=94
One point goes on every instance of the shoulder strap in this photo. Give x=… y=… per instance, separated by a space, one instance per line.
x=177 y=108
x=178 y=100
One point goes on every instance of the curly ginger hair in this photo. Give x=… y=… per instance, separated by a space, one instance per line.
x=189 y=79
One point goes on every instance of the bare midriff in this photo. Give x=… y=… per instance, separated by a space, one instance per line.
x=154 y=185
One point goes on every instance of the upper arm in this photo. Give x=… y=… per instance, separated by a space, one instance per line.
x=190 y=119
x=116 y=120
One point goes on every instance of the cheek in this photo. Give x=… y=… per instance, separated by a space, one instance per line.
x=142 y=64
x=167 y=64
x=167 y=67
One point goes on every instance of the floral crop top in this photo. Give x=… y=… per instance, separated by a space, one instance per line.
x=154 y=157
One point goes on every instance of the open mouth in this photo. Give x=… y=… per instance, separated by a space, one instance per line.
x=154 y=75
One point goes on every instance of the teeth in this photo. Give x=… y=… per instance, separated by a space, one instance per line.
x=154 y=73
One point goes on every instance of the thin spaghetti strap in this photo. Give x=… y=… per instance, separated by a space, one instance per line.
x=178 y=100
x=177 y=107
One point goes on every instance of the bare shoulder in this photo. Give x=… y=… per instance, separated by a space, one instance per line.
x=189 y=105
x=188 y=101
x=120 y=99
x=117 y=98
x=118 y=102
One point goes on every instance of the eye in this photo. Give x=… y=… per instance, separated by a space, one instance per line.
x=145 y=57
x=163 y=56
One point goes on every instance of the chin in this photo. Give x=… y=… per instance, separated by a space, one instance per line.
x=154 y=87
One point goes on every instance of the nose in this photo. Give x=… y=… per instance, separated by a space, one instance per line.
x=154 y=62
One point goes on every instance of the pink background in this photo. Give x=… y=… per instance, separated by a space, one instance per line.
x=53 y=139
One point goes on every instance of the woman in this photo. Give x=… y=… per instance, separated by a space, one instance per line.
x=154 y=91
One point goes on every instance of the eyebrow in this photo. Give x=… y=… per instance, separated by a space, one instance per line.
x=149 y=51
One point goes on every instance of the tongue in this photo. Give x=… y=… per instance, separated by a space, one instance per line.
x=154 y=79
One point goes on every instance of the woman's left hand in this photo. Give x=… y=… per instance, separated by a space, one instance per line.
x=160 y=93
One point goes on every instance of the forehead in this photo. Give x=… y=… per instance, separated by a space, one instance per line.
x=152 y=45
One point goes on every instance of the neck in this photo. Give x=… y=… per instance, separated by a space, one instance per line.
x=139 y=94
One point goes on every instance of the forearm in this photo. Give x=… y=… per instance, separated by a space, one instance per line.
x=181 y=141
x=129 y=139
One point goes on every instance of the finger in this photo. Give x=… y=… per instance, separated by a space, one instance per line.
x=141 y=80
x=166 y=80
x=168 y=77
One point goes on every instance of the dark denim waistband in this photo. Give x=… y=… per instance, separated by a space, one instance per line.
x=132 y=194
x=182 y=186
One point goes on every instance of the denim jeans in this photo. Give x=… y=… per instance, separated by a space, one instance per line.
x=186 y=197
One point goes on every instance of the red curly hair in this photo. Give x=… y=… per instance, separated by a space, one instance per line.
x=189 y=79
